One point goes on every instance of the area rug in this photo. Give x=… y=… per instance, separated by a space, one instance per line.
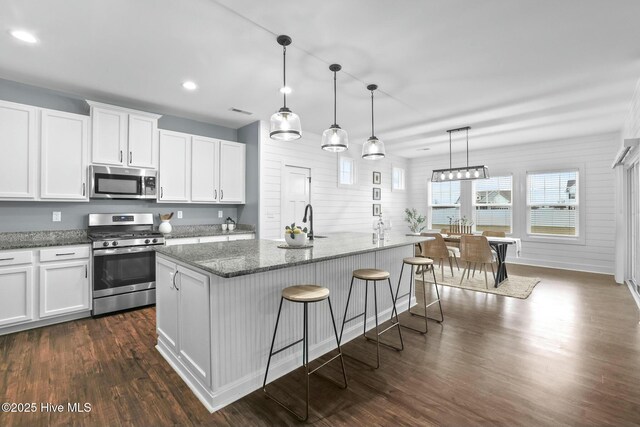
x=514 y=286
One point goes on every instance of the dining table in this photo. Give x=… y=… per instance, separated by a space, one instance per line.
x=500 y=245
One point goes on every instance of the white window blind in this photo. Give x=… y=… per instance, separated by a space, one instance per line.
x=493 y=204
x=444 y=203
x=397 y=179
x=553 y=203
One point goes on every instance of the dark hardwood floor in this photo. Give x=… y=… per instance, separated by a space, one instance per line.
x=568 y=355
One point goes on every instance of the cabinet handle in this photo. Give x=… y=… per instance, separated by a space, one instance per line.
x=66 y=253
x=6 y=259
x=130 y=156
x=215 y=196
x=161 y=192
x=174 y=281
x=221 y=194
x=86 y=271
x=120 y=156
x=84 y=189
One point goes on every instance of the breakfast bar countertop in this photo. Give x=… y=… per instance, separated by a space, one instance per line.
x=238 y=258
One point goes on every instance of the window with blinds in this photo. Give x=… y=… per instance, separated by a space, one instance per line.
x=444 y=204
x=493 y=204
x=346 y=171
x=552 y=203
x=397 y=179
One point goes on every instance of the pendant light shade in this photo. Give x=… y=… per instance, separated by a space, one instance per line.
x=461 y=173
x=335 y=139
x=285 y=124
x=373 y=149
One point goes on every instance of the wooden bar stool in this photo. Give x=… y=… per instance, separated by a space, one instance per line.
x=424 y=264
x=304 y=294
x=372 y=275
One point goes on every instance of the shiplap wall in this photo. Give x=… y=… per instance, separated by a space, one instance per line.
x=335 y=208
x=594 y=154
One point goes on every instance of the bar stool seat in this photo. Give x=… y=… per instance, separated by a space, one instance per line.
x=305 y=293
x=415 y=260
x=371 y=274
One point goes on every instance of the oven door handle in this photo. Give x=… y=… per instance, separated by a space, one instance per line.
x=119 y=251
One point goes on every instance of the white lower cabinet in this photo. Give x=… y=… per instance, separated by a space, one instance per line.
x=38 y=285
x=183 y=317
x=16 y=294
x=64 y=288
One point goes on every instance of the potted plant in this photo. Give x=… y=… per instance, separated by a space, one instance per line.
x=415 y=220
x=295 y=235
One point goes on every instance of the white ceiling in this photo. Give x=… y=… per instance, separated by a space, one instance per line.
x=515 y=71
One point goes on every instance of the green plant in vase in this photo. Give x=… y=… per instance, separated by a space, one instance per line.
x=415 y=220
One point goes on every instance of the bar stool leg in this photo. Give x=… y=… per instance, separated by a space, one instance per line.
x=335 y=331
x=346 y=309
x=424 y=299
x=273 y=341
x=305 y=346
x=366 y=298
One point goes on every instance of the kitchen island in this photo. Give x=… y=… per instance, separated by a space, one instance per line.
x=217 y=304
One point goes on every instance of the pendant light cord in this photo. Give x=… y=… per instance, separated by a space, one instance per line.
x=450 y=150
x=467 y=148
x=284 y=74
x=373 y=133
x=335 y=105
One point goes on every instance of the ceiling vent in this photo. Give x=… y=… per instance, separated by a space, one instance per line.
x=237 y=110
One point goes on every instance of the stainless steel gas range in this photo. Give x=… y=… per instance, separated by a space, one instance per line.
x=124 y=262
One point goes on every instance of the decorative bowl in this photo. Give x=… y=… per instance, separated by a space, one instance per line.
x=299 y=240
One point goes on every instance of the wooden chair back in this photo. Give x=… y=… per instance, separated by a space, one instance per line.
x=435 y=249
x=475 y=249
x=488 y=233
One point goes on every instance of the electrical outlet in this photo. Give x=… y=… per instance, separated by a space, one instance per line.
x=179 y=214
x=57 y=217
x=219 y=214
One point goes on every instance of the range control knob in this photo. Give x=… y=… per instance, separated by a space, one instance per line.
x=147 y=241
x=105 y=244
x=114 y=244
x=155 y=241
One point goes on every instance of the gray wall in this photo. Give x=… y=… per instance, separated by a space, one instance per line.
x=250 y=212
x=33 y=216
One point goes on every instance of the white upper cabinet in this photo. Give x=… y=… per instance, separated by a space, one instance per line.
x=232 y=172
x=64 y=147
x=123 y=137
x=205 y=169
x=175 y=167
x=18 y=145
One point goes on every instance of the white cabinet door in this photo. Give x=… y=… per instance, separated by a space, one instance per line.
x=18 y=145
x=109 y=136
x=16 y=295
x=166 y=303
x=64 y=288
x=232 y=171
x=174 y=167
x=204 y=169
x=143 y=142
x=64 y=145
x=194 y=324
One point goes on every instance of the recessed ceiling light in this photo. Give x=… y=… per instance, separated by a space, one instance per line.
x=24 y=36
x=189 y=85
x=286 y=90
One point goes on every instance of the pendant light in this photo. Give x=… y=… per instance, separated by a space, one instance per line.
x=285 y=124
x=373 y=149
x=463 y=173
x=335 y=139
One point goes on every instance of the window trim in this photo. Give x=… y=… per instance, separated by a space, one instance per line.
x=474 y=205
x=404 y=178
x=580 y=239
x=430 y=205
x=354 y=172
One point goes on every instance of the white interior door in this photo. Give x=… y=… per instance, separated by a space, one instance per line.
x=295 y=195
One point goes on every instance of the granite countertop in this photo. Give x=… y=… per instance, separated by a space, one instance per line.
x=41 y=239
x=238 y=258
x=181 y=231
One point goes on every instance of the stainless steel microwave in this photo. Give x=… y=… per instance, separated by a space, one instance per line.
x=108 y=182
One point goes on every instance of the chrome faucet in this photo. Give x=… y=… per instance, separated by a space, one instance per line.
x=309 y=209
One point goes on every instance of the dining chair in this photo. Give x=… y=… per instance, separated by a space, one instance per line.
x=489 y=233
x=476 y=250
x=438 y=250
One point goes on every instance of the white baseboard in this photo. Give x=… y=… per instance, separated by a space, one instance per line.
x=44 y=322
x=560 y=265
